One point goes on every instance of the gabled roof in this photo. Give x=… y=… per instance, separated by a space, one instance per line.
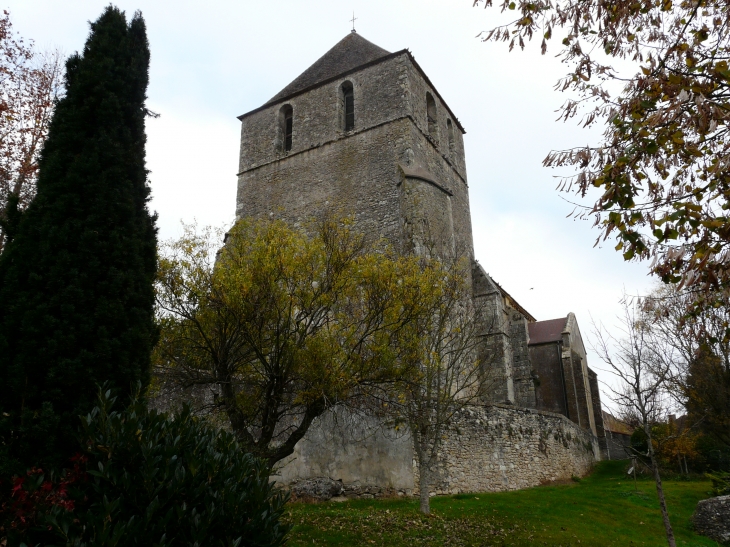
x=543 y=332
x=350 y=52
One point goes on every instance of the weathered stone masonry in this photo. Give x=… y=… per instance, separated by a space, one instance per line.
x=485 y=448
x=497 y=448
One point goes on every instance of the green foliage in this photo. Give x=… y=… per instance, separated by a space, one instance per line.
x=720 y=483
x=159 y=480
x=76 y=282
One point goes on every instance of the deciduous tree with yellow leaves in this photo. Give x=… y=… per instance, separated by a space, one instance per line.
x=281 y=325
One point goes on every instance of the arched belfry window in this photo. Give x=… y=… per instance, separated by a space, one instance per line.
x=431 y=115
x=450 y=130
x=286 y=124
x=347 y=99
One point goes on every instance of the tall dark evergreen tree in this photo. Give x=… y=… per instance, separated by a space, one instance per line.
x=76 y=282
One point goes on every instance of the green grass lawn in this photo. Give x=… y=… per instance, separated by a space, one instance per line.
x=602 y=509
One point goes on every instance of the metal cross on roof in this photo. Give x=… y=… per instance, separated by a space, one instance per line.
x=353 y=21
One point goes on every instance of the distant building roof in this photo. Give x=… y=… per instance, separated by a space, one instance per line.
x=614 y=425
x=543 y=332
x=350 y=52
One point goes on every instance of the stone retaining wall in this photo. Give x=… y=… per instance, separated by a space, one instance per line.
x=498 y=448
x=490 y=448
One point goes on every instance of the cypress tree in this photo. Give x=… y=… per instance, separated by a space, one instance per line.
x=76 y=282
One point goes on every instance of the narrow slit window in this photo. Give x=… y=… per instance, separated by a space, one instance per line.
x=348 y=104
x=450 y=131
x=286 y=125
x=431 y=115
x=288 y=130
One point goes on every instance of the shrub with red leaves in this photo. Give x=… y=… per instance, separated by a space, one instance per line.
x=36 y=501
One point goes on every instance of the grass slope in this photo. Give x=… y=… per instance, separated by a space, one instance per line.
x=602 y=509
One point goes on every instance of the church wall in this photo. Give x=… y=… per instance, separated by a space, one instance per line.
x=522 y=370
x=427 y=218
x=580 y=370
x=379 y=95
x=418 y=87
x=357 y=175
x=497 y=359
x=423 y=153
x=550 y=390
x=596 y=402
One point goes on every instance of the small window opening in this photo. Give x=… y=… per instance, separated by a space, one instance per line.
x=431 y=115
x=348 y=104
x=450 y=130
x=286 y=116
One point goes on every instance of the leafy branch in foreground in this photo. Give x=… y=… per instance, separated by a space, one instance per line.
x=663 y=166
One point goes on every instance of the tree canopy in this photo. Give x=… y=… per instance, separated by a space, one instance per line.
x=76 y=281
x=698 y=350
x=656 y=73
x=284 y=325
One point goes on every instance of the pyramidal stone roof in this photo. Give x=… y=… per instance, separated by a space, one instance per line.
x=349 y=53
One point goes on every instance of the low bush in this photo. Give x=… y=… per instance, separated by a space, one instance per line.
x=150 y=479
x=720 y=483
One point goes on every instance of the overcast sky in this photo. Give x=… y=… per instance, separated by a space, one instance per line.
x=214 y=60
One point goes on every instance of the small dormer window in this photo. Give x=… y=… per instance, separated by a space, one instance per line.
x=431 y=116
x=347 y=97
x=286 y=125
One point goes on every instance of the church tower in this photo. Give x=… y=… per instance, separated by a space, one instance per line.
x=362 y=132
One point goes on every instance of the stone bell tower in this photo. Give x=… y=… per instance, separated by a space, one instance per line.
x=365 y=133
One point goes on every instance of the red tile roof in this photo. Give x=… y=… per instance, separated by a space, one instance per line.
x=551 y=330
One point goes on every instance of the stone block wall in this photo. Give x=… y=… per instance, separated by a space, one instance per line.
x=521 y=363
x=497 y=448
x=353 y=450
x=550 y=390
x=355 y=176
x=360 y=172
x=379 y=90
x=485 y=448
x=418 y=86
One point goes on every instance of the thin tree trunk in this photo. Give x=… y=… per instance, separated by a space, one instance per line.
x=660 y=494
x=425 y=498
x=424 y=480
